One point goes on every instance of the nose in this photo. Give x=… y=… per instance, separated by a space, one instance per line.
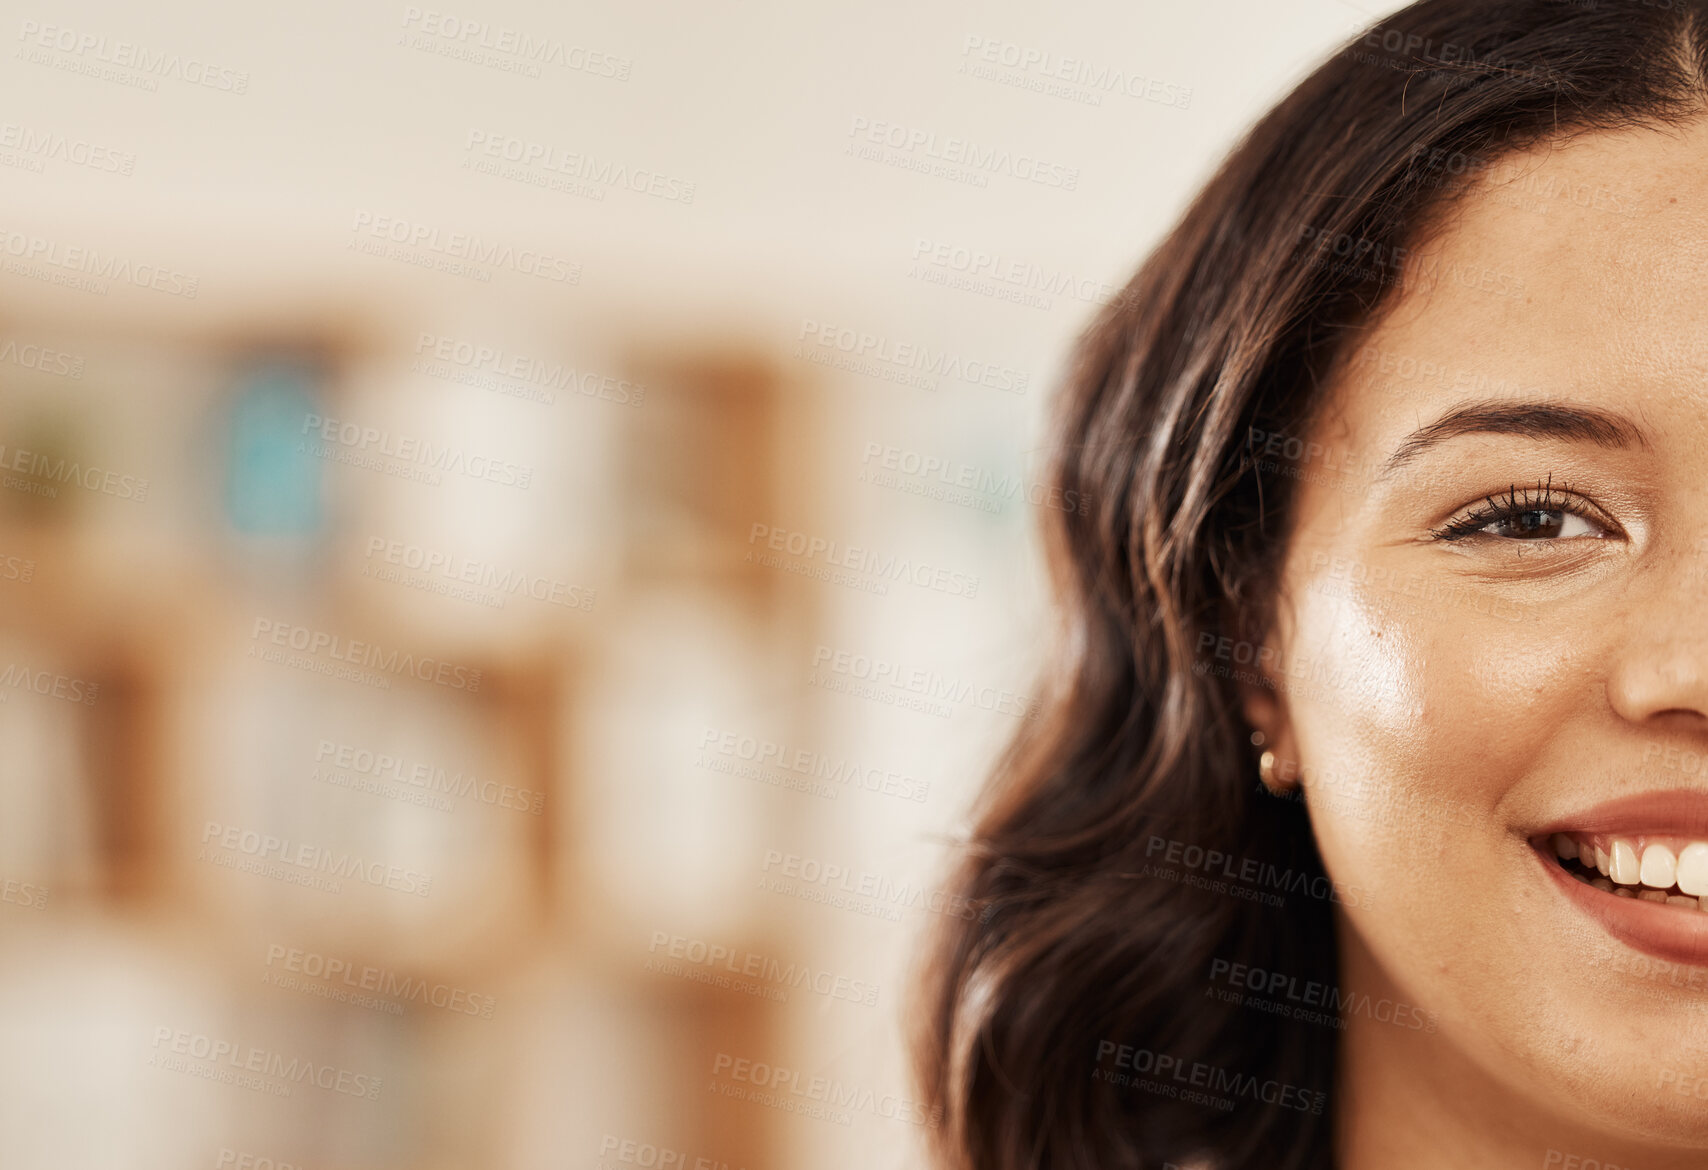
x=1661 y=674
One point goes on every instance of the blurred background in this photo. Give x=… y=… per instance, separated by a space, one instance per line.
x=517 y=548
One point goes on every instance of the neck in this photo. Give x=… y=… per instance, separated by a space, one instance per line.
x=1410 y=1099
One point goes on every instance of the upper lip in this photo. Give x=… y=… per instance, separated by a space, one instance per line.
x=1681 y=812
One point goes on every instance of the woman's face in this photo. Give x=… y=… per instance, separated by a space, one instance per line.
x=1494 y=628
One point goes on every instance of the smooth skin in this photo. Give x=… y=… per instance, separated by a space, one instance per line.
x=1448 y=698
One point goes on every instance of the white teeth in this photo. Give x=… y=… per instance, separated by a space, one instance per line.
x=1693 y=868
x=1653 y=872
x=1622 y=864
x=1659 y=867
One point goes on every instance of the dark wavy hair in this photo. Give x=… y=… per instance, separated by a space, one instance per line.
x=1082 y=969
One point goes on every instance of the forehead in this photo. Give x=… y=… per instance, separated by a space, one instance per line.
x=1575 y=270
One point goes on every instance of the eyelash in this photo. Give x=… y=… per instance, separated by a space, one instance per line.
x=1516 y=502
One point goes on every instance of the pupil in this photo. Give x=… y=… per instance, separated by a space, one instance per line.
x=1530 y=523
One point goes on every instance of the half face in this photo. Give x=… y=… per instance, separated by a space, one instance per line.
x=1494 y=635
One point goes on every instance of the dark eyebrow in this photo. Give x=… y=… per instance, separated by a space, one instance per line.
x=1532 y=420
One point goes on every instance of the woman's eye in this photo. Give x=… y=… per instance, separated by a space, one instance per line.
x=1545 y=515
x=1541 y=524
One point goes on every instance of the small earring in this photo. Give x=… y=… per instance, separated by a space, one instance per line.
x=1266 y=770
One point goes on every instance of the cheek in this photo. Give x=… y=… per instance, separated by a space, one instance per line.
x=1358 y=690
x=1414 y=718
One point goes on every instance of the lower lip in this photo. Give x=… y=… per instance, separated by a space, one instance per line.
x=1666 y=932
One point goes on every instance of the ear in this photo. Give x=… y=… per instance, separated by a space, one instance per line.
x=1265 y=709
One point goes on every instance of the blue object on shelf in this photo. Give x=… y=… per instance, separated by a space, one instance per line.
x=272 y=482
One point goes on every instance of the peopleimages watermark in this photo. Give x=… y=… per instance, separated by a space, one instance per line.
x=825 y=1098
x=651 y=1156
x=30 y=149
x=493 y=368
x=145 y=68
x=228 y=1061
x=1362 y=258
x=1276 y=453
x=1676 y=759
x=1176 y=1076
x=1385 y=262
x=19 y=569
x=916 y=688
x=940 y=478
x=1643 y=967
x=1250 y=878
x=1514 y=182
x=38 y=474
x=1220 y=656
x=363 y=654
x=847 y=564
x=29 y=356
x=991 y=274
x=230 y=1159
x=21 y=893
x=859 y=891
x=905 y=362
x=1686 y=1083
x=87 y=269
x=365 y=985
x=1073 y=78
x=1349 y=577
x=502 y=47
x=1414 y=53
x=1374 y=359
x=464 y=578
x=1567 y=1161
x=455 y=253
x=818 y=773
x=749 y=971
x=284 y=859
x=369 y=446
x=1307 y=1000
x=948 y=156
x=358 y=782
x=382 y=767
x=543 y=165
x=1280 y=453
x=48 y=683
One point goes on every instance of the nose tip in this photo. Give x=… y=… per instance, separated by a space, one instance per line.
x=1664 y=687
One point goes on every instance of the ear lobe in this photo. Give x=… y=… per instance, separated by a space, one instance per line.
x=1261 y=695
x=1265 y=710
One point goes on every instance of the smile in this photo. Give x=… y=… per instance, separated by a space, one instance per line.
x=1638 y=868
x=1655 y=868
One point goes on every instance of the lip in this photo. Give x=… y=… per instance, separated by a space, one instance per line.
x=1679 y=813
x=1664 y=932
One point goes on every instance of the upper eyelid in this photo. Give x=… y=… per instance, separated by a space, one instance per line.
x=1498 y=506
x=1548 y=501
x=1535 y=497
